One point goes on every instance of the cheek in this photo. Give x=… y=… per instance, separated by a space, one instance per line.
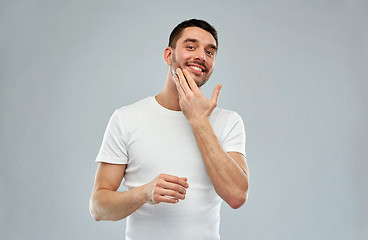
x=183 y=56
x=211 y=65
x=177 y=59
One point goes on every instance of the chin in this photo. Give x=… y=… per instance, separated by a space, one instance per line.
x=202 y=82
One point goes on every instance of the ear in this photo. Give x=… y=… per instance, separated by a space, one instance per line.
x=167 y=55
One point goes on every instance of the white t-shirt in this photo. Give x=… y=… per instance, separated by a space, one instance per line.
x=152 y=140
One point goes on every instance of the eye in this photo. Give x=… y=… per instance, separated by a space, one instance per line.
x=190 y=47
x=210 y=53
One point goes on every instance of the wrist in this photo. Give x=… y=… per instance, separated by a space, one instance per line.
x=143 y=196
x=199 y=123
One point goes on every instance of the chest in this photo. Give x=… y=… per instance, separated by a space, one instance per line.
x=163 y=147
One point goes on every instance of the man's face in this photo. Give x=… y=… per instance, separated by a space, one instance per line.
x=195 y=51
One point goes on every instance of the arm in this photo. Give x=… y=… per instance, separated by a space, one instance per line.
x=228 y=171
x=108 y=204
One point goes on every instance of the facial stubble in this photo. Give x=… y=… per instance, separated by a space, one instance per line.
x=174 y=66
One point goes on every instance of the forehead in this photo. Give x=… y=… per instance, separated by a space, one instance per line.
x=201 y=35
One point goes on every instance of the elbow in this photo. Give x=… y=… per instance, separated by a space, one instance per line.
x=98 y=210
x=93 y=211
x=95 y=217
x=238 y=200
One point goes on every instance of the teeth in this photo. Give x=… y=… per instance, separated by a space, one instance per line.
x=196 y=68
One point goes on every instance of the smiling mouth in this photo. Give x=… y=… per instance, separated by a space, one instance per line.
x=196 y=69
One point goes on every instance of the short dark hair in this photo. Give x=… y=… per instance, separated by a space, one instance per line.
x=177 y=31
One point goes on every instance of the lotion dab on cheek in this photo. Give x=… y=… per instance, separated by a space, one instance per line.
x=173 y=72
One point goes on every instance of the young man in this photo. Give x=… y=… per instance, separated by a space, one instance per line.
x=179 y=155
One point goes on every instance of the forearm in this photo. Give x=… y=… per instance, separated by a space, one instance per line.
x=228 y=178
x=111 y=205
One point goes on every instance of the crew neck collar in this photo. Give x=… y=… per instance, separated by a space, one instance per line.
x=163 y=109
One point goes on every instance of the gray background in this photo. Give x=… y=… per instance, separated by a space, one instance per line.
x=296 y=71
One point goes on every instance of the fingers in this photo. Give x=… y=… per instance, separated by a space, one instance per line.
x=169 y=189
x=216 y=93
x=175 y=180
x=172 y=186
x=193 y=86
x=161 y=192
x=192 y=102
x=179 y=87
x=185 y=179
x=159 y=199
x=183 y=80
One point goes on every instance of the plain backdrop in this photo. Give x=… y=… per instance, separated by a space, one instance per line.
x=296 y=71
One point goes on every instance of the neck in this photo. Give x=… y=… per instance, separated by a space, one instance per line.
x=168 y=97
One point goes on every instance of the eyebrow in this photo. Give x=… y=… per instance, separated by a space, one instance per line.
x=193 y=40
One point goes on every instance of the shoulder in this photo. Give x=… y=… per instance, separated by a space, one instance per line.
x=135 y=113
x=139 y=105
x=229 y=129
x=224 y=115
x=133 y=109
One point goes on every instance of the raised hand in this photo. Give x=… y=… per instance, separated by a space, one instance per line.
x=193 y=103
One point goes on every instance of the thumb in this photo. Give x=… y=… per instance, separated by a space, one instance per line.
x=216 y=93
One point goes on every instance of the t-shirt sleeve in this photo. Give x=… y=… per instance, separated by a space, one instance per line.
x=235 y=134
x=113 y=148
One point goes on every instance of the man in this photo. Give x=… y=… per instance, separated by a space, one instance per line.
x=179 y=155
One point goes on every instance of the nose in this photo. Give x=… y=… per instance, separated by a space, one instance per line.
x=200 y=55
